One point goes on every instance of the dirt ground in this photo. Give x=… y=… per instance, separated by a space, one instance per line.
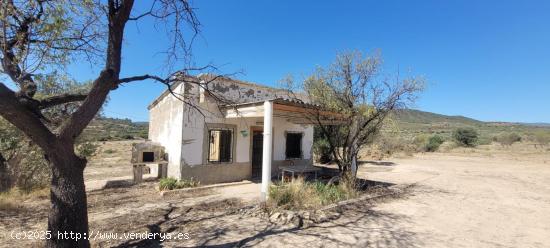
x=484 y=197
x=469 y=199
x=112 y=160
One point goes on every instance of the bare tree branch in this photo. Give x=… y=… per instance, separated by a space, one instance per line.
x=24 y=119
x=107 y=80
x=60 y=99
x=141 y=78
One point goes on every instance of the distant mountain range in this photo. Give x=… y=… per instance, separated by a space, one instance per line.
x=536 y=124
x=423 y=117
x=408 y=122
x=411 y=122
x=418 y=116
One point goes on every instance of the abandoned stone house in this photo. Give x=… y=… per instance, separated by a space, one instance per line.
x=215 y=142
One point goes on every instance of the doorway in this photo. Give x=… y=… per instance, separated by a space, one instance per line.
x=257 y=153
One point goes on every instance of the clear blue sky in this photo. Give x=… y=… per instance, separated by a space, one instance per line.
x=489 y=60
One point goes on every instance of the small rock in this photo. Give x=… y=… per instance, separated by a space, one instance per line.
x=321 y=217
x=290 y=216
x=174 y=216
x=274 y=217
x=296 y=221
x=306 y=223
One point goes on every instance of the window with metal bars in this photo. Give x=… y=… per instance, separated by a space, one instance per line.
x=220 y=145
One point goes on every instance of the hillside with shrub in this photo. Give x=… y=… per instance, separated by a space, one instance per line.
x=412 y=123
x=106 y=129
x=412 y=131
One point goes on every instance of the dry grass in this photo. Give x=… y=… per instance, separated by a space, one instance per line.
x=299 y=194
x=13 y=200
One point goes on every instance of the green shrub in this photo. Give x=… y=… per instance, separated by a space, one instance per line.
x=299 y=194
x=426 y=143
x=508 y=139
x=465 y=136
x=190 y=183
x=420 y=140
x=433 y=143
x=168 y=183
x=321 y=148
x=172 y=183
x=293 y=195
x=109 y=151
x=143 y=134
x=329 y=193
x=389 y=145
x=483 y=140
x=22 y=164
x=541 y=138
x=86 y=149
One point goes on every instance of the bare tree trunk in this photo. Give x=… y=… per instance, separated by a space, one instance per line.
x=354 y=166
x=5 y=180
x=68 y=218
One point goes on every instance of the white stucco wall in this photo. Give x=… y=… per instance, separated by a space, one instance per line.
x=194 y=131
x=193 y=135
x=279 y=141
x=165 y=127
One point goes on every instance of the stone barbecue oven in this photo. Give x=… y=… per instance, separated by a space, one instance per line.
x=144 y=156
x=147 y=152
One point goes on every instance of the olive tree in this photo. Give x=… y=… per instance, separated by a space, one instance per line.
x=22 y=163
x=39 y=35
x=353 y=86
x=10 y=142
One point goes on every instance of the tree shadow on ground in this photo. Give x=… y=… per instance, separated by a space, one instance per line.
x=358 y=231
x=365 y=184
x=328 y=173
x=173 y=219
x=380 y=163
x=154 y=228
x=353 y=225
